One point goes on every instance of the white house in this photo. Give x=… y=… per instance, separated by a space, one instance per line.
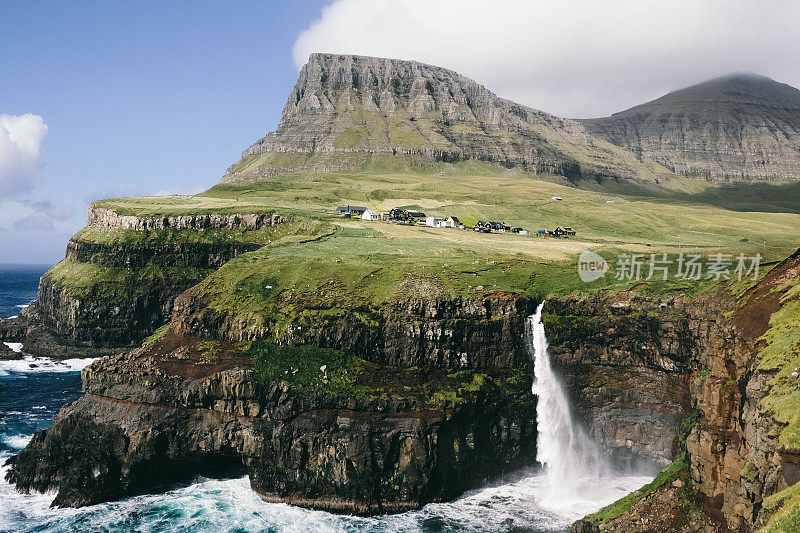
x=434 y=222
x=369 y=214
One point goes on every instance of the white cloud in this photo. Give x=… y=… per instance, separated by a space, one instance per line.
x=21 y=137
x=576 y=58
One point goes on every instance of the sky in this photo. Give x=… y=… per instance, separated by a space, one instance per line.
x=101 y=99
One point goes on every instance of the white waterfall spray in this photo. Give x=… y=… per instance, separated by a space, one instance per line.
x=572 y=461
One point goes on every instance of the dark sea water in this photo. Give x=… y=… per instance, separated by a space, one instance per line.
x=33 y=391
x=18 y=284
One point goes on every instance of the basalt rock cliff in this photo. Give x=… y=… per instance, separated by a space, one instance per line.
x=120 y=277
x=738 y=127
x=397 y=437
x=738 y=455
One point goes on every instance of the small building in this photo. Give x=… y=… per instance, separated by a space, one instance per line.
x=453 y=222
x=369 y=214
x=350 y=210
x=434 y=222
x=415 y=214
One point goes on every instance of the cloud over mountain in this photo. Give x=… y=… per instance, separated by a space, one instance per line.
x=575 y=58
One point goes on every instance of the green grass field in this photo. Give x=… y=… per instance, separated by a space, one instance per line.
x=689 y=216
x=320 y=261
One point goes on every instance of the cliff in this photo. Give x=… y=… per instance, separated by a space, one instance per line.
x=738 y=127
x=351 y=436
x=346 y=107
x=122 y=273
x=738 y=461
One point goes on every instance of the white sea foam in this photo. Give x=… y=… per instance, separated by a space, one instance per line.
x=17 y=441
x=23 y=306
x=15 y=346
x=43 y=364
x=231 y=505
x=14 y=316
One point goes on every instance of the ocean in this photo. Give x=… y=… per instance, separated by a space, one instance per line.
x=33 y=390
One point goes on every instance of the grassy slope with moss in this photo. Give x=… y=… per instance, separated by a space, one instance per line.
x=780 y=357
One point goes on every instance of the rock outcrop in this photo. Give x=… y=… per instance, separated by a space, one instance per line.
x=167 y=411
x=345 y=105
x=108 y=218
x=111 y=292
x=739 y=127
x=482 y=333
x=742 y=389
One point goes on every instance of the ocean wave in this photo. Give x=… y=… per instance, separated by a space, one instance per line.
x=16 y=441
x=43 y=364
x=15 y=346
x=230 y=505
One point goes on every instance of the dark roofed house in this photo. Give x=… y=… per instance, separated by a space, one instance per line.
x=350 y=210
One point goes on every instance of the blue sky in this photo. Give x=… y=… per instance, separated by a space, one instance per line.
x=138 y=98
x=112 y=98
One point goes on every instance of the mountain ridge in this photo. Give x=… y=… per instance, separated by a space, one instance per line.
x=732 y=128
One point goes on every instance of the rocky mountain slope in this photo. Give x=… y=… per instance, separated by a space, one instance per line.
x=345 y=108
x=738 y=127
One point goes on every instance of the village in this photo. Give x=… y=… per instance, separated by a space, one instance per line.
x=417 y=218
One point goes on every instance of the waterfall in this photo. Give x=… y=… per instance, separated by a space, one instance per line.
x=572 y=462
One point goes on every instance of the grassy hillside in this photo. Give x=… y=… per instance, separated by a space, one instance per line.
x=689 y=216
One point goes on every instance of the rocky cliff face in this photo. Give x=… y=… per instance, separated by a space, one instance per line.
x=740 y=127
x=344 y=104
x=107 y=218
x=626 y=361
x=485 y=333
x=169 y=410
x=741 y=452
x=397 y=439
x=109 y=294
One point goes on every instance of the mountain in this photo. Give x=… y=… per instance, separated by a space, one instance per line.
x=737 y=127
x=345 y=109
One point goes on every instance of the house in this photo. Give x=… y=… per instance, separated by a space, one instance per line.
x=415 y=214
x=434 y=222
x=453 y=222
x=369 y=214
x=350 y=210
